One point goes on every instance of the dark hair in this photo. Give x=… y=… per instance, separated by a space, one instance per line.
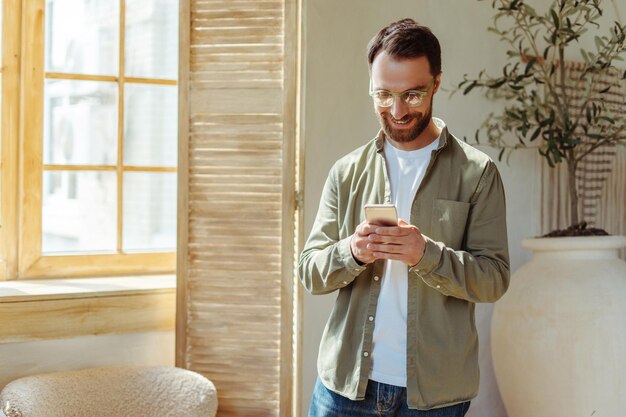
x=406 y=39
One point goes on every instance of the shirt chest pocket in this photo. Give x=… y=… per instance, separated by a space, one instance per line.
x=448 y=222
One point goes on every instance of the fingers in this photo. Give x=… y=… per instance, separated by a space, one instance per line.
x=403 y=243
x=402 y=230
x=387 y=248
x=358 y=245
x=410 y=255
x=365 y=229
x=391 y=256
x=371 y=242
x=394 y=240
x=396 y=235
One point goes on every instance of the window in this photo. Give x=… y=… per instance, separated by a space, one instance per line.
x=81 y=76
x=97 y=193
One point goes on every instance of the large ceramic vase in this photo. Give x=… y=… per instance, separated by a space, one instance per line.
x=559 y=333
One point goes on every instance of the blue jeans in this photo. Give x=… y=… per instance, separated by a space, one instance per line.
x=381 y=400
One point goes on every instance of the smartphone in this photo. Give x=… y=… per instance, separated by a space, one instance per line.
x=381 y=214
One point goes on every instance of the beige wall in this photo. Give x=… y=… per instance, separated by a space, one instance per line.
x=29 y=358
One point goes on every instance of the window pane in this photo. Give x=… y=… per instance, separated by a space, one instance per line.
x=79 y=212
x=151 y=39
x=80 y=122
x=149 y=211
x=150 y=125
x=82 y=36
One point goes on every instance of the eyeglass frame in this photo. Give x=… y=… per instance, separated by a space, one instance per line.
x=420 y=93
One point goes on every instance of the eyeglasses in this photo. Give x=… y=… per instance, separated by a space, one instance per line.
x=413 y=98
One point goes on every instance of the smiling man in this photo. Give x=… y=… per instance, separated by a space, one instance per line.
x=401 y=339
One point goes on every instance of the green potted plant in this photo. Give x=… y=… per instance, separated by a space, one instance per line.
x=539 y=93
x=558 y=335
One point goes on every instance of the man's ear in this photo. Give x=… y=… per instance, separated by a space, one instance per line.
x=437 y=83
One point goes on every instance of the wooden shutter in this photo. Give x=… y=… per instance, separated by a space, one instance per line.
x=236 y=200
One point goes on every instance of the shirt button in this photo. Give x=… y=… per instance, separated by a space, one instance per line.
x=345 y=283
x=366 y=354
x=371 y=318
x=438 y=286
x=376 y=277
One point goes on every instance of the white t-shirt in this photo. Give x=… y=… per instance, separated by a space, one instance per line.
x=406 y=170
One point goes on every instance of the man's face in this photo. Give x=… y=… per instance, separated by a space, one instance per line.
x=401 y=122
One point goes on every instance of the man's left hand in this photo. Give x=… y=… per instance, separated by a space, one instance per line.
x=403 y=243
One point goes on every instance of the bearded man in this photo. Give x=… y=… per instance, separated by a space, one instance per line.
x=401 y=339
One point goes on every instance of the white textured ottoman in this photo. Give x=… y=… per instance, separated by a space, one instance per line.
x=118 y=391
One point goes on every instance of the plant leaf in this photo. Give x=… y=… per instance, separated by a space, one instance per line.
x=599 y=42
x=498 y=83
x=535 y=134
x=584 y=54
x=469 y=87
x=555 y=19
x=500 y=154
x=530 y=64
x=552 y=69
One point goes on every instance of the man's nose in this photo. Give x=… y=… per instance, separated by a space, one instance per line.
x=399 y=108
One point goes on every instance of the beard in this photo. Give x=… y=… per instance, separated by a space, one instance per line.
x=406 y=135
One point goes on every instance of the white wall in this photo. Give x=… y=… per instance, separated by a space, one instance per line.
x=338 y=117
x=29 y=358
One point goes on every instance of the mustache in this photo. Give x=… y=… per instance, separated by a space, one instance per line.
x=406 y=117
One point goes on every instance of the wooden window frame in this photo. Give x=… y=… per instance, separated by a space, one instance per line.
x=9 y=136
x=22 y=154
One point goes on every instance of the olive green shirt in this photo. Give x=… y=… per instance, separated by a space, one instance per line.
x=460 y=209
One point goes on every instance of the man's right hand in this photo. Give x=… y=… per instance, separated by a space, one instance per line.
x=359 y=242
